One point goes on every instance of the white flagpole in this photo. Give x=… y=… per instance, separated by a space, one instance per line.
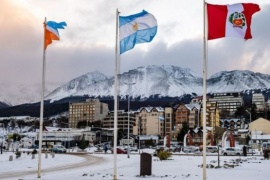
x=115 y=99
x=204 y=90
x=42 y=104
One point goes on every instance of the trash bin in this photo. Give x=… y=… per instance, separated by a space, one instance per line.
x=146 y=164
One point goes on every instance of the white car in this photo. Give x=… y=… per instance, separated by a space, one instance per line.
x=190 y=149
x=231 y=151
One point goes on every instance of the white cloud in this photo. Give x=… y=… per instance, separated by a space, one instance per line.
x=88 y=42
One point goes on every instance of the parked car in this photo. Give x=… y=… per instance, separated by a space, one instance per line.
x=231 y=151
x=120 y=151
x=58 y=149
x=191 y=149
x=44 y=148
x=131 y=149
x=34 y=146
x=265 y=145
x=211 y=149
x=178 y=148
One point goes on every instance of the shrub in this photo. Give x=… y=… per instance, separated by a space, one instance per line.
x=34 y=151
x=163 y=155
x=18 y=153
x=266 y=153
x=158 y=150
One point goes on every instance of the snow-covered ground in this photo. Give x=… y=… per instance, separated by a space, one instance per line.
x=179 y=166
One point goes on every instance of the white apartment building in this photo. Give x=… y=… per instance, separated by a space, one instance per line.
x=148 y=121
x=227 y=103
x=259 y=100
x=125 y=121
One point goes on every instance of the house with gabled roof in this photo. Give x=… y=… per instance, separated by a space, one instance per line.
x=189 y=113
x=149 y=121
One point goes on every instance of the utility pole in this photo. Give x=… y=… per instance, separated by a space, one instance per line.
x=128 y=124
x=250 y=132
x=129 y=84
x=140 y=119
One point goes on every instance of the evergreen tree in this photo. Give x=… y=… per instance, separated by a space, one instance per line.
x=83 y=143
x=120 y=135
x=240 y=112
x=247 y=139
x=219 y=131
x=16 y=137
x=183 y=132
x=253 y=112
x=149 y=142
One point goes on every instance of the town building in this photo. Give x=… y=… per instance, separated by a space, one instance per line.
x=227 y=103
x=212 y=115
x=169 y=126
x=189 y=113
x=194 y=114
x=260 y=132
x=260 y=124
x=149 y=121
x=123 y=120
x=259 y=100
x=181 y=114
x=64 y=136
x=91 y=110
x=232 y=124
x=198 y=99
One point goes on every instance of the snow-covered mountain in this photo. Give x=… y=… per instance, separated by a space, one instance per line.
x=14 y=94
x=237 y=81
x=162 y=80
x=141 y=82
x=94 y=83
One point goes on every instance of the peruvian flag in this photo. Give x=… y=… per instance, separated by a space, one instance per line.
x=230 y=20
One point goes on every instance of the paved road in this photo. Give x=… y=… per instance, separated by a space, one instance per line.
x=89 y=160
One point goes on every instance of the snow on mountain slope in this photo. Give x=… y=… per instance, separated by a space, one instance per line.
x=236 y=81
x=143 y=82
x=90 y=83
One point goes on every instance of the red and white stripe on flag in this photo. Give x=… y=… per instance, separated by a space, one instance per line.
x=230 y=20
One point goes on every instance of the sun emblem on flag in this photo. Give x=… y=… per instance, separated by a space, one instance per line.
x=237 y=19
x=135 y=26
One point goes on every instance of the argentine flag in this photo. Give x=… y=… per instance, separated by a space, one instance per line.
x=161 y=118
x=135 y=29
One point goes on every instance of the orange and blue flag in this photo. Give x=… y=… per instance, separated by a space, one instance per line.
x=51 y=31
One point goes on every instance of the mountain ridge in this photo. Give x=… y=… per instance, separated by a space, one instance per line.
x=142 y=82
x=165 y=81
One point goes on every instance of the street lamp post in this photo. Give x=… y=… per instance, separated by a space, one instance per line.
x=249 y=116
x=129 y=84
x=1 y=144
x=139 y=134
x=198 y=125
x=99 y=137
x=158 y=126
x=250 y=132
x=128 y=124
x=68 y=142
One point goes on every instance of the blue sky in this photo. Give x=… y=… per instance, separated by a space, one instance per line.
x=87 y=44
